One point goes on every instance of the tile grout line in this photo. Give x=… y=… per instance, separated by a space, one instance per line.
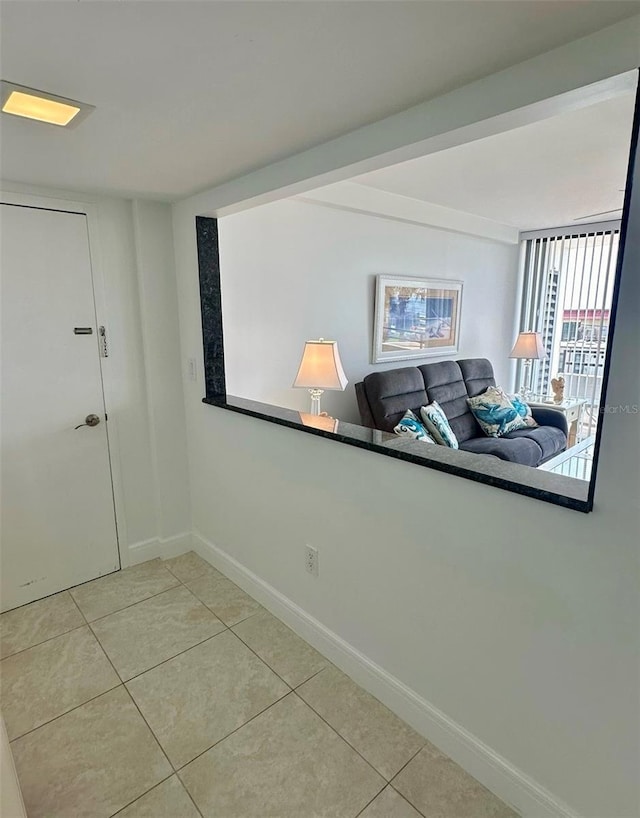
x=171 y=658
x=383 y=777
x=164 y=661
x=402 y=795
x=393 y=778
x=317 y=673
x=142 y=795
x=395 y=789
x=368 y=804
x=202 y=602
x=44 y=642
x=264 y=662
x=48 y=639
x=224 y=738
x=191 y=798
x=155 y=738
x=132 y=604
x=66 y=713
x=79 y=609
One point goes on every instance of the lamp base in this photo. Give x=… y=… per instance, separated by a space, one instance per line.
x=316 y=394
x=525 y=389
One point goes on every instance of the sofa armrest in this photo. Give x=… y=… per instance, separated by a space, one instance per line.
x=544 y=416
x=366 y=415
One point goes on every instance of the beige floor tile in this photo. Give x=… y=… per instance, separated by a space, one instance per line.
x=49 y=679
x=27 y=626
x=167 y=800
x=438 y=787
x=116 y=591
x=389 y=804
x=228 y=602
x=373 y=730
x=143 y=635
x=286 y=763
x=190 y=566
x=201 y=696
x=89 y=763
x=283 y=650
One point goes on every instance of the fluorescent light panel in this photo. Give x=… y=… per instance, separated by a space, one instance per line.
x=19 y=100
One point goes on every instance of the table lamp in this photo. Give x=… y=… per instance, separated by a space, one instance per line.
x=528 y=347
x=320 y=369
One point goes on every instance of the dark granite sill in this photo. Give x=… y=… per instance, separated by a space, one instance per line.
x=541 y=485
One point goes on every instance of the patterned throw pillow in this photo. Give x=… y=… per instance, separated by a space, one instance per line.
x=411 y=427
x=436 y=422
x=495 y=413
x=524 y=410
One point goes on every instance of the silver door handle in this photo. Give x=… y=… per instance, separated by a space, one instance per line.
x=90 y=420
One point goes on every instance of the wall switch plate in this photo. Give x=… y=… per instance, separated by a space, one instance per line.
x=311 y=560
x=191 y=369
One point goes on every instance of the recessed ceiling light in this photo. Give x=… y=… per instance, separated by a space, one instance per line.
x=18 y=100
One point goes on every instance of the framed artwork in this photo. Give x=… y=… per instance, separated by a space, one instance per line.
x=415 y=318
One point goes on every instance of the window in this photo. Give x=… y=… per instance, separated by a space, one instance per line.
x=567 y=296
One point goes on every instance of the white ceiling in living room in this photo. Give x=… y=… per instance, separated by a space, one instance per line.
x=191 y=94
x=557 y=171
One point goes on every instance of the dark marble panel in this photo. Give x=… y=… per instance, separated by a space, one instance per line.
x=211 y=306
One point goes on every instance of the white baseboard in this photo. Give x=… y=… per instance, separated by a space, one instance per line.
x=157 y=547
x=496 y=773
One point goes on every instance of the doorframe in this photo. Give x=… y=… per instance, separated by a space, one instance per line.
x=109 y=367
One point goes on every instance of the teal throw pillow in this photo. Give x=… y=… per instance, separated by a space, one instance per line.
x=437 y=424
x=411 y=427
x=524 y=410
x=495 y=413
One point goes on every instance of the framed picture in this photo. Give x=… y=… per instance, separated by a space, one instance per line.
x=415 y=318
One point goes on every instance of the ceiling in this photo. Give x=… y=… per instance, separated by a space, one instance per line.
x=191 y=94
x=550 y=173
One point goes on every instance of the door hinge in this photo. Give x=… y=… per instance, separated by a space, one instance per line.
x=104 y=349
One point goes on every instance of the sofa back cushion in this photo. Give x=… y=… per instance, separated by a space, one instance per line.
x=477 y=374
x=445 y=385
x=391 y=393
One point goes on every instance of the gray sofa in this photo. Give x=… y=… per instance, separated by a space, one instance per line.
x=384 y=397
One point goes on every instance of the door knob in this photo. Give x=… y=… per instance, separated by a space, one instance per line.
x=90 y=420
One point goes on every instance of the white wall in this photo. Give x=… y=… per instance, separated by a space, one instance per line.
x=515 y=618
x=292 y=271
x=158 y=300
x=133 y=258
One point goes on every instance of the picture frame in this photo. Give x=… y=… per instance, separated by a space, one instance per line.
x=415 y=318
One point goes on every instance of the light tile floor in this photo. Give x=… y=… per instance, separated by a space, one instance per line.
x=165 y=691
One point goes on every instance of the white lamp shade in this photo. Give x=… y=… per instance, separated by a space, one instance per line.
x=321 y=367
x=528 y=345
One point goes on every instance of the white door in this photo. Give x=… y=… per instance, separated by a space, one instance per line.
x=58 y=522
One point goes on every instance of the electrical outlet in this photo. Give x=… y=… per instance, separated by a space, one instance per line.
x=311 y=560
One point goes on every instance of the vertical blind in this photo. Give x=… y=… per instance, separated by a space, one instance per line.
x=566 y=297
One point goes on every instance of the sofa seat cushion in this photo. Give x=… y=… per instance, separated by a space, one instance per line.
x=551 y=440
x=523 y=451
